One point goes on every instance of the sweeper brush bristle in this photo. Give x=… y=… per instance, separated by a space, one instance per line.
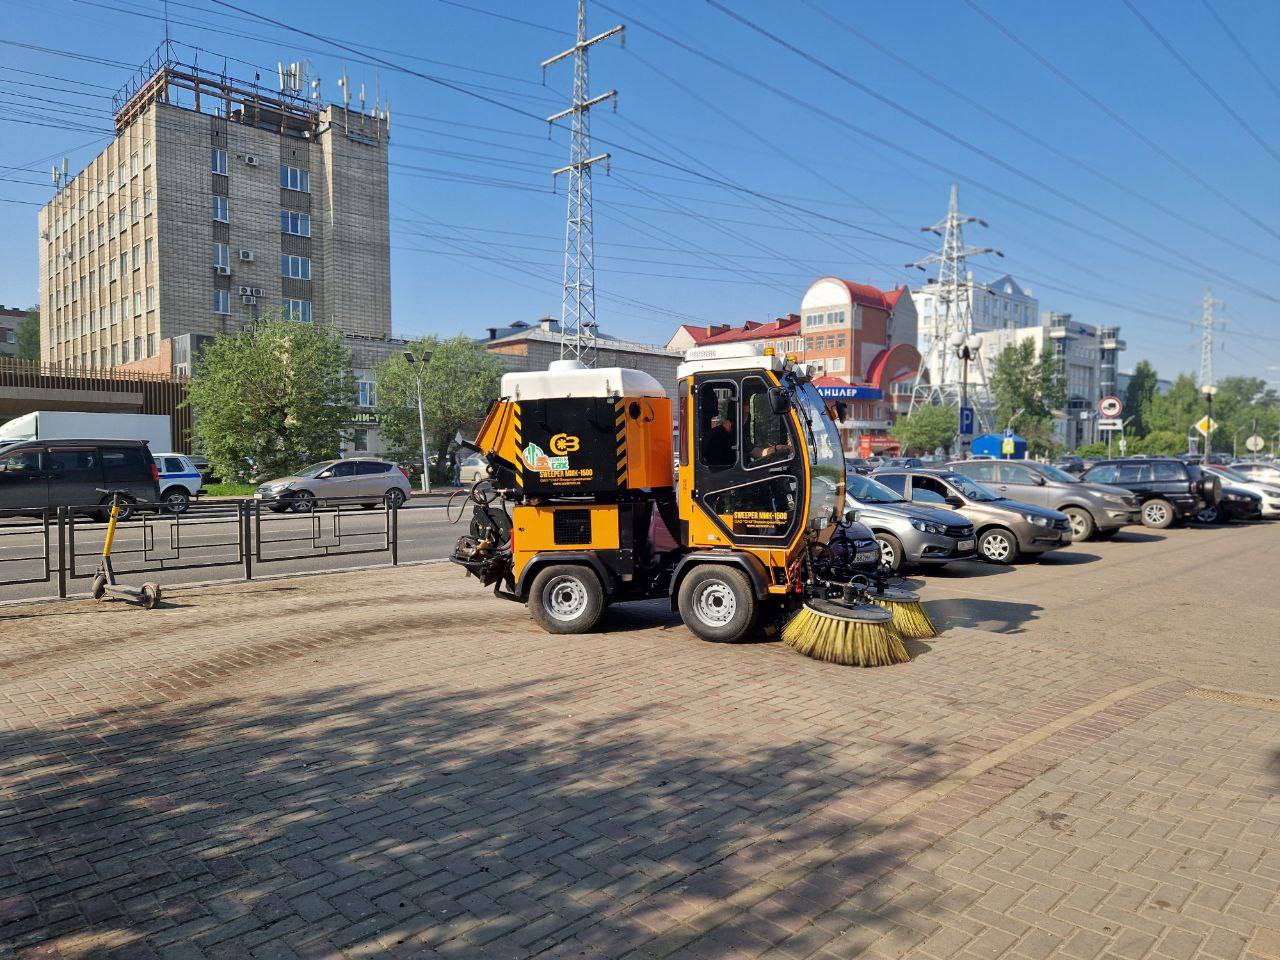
x=845 y=640
x=909 y=618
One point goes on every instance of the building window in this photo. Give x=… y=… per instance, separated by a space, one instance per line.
x=103 y=357
x=115 y=354
x=137 y=304
x=113 y=311
x=111 y=182
x=296 y=268
x=124 y=264
x=218 y=161
x=111 y=224
x=221 y=255
x=836 y=365
x=151 y=344
x=133 y=164
x=151 y=298
x=124 y=308
x=134 y=210
x=366 y=394
x=149 y=250
x=292 y=178
x=360 y=440
x=298 y=310
x=298 y=224
x=222 y=301
x=146 y=153
x=220 y=209
x=124 y=352
x=112 y=267
x=137 y=260
x=137 y=348
x=148 y=204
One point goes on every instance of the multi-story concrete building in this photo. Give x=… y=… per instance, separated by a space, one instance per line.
x=9 y=320
x=218 y=203
x=1003 y=304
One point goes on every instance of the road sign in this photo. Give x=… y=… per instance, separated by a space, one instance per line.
x=1110 y=424
x=1008 y=433
x=1206 y=425
x=1007 y=448
x=966 y=421
x=1254 y=444
x=1110 y=407
x=1124 y=445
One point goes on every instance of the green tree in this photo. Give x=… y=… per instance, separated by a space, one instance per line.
x=1138 y=396
x=272 y=399
x=460 y=380
x=28 y=333
x=1161 y=443
x=1028 y=389
x=1176 y=410
x=927 y=428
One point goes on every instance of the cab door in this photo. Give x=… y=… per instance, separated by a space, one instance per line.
x=749 y=477
x=1019 y=482
x=24 y=484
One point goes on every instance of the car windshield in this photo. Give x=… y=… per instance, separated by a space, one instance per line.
x=1230 y=474
x=1053 y=473
x=870 y=491
x=970 y=489
x=826 y=457
x=316 y=469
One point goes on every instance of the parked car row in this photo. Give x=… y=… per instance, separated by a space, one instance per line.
x=1004 y=510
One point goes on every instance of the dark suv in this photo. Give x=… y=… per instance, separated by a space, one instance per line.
x=1167 y=489
x=38 y=475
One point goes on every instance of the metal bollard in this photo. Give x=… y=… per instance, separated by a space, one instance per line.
x=62 y=552
x=246 y=537
x=395 y=536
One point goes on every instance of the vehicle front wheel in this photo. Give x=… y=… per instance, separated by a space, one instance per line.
x=566 y=598
x=394 y=498
x=1157 y=514
x=717 y=603
x=176 y=500
x=125 y=512
x=1209 y=514
x=890 y=551
x=304 y=501
x=998 y=545
x=1082 y=523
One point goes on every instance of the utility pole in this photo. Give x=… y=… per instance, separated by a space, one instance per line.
x=1207 y=326
x=953 y=315
x=578 y=306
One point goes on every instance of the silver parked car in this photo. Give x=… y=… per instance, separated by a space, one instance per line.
x=1095 y=509
x=1007 y=529
x=908 y=533
x=358 y=480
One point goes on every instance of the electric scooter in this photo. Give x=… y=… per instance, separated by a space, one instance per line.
x=104 y=581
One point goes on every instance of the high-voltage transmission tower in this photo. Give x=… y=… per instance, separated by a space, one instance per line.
x=578 y=308
x=953 y=318
x=1207 y=325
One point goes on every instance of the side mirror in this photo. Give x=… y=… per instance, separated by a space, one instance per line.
x=1040 y=481
x=779 y=401
x=325 y=475
x=954 y=501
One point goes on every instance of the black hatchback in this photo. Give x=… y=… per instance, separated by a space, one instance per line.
x=37 y=475
x=1167 y=489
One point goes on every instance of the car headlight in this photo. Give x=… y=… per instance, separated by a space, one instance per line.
x=1235 y=496
x=1116 y=499
x=1038 y=521
x=924 y=526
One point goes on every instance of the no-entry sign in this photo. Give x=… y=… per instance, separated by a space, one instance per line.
x=1110 y=407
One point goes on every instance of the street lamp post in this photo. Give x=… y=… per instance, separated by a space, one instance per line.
x=966 y=348
x=416 y=365
x=1207 y=391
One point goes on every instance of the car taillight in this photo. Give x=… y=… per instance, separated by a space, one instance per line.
x=155 y=472
x=405 y=472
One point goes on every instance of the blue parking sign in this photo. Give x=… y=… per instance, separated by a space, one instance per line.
x=966 y=421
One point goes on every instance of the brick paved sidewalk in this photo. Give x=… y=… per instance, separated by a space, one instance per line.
x=393 y=763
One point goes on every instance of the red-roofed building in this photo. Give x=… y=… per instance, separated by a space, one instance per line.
x=690 y=335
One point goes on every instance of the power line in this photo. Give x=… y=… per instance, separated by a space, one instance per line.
x=1244 y=52
x=1199 y=78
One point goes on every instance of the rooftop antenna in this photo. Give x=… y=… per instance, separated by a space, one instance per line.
x=280 y=74
x=315 y=89
x=362 y=96
x=345 y=84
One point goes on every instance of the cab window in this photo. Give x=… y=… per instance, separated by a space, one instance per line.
x=1103 y=473
x=365 y=467
x=124 y=464
x=929 y=490
x=346 y=468
x=984 y=471
x=1164 y=470
x=75 y=463
x=1133 y=473
x=20 y=464
x=764 y=433
x=718 y=423
x=897 y=482
x=1014 y=473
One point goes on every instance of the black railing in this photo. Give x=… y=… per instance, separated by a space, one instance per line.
x=64 y=545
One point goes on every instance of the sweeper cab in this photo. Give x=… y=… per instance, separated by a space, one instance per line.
x=582 y=508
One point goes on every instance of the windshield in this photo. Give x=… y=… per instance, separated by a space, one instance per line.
x=1053 y=473
x=315 y=469
x=870 y=491
x=1230 y=474
x=970 y=489
x=826 y=458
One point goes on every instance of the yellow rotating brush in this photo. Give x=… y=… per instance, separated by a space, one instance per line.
x=909 y=617
x=856 y=635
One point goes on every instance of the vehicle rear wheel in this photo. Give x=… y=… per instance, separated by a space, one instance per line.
x=717 y=603
x=304 y=501
x=1082 y=524
x=1157 y=514
x=126 y=510
x=890 y=551
x=393 y=498
x=176 y=500
x=566 y=598
x=1209 y=514
x=998 y=545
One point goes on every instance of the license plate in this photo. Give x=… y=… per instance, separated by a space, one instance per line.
x=866 y=556
x=965 y=545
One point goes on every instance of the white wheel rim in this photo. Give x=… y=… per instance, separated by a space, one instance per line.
x=996 y=546
x=566 y=598
x=1155 y=512
x=1078 y=525
x=887 y=553
x=715 y=604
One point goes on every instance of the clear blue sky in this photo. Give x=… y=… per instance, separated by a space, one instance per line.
x=477 y=232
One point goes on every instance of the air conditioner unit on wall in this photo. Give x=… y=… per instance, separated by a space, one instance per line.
x=222 y=271
x=251 y=160
x=248 y=299
x=246 y=255
x=246 y=291
x=256 y=291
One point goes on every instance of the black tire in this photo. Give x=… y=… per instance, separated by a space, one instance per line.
x=566 y=598
x=718 y=603
x=303 y=501
x=998 y=545
x=394 y=498
x=1083 y=526
x=276 y=506
x=176 y=499
x=98 y=589
x=890 y=551
x=151 y=595
x=1158 y=514
x=126 y=511
x=1209 y=514
x=1109 y=534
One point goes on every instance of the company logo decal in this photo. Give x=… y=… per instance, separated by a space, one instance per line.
x=536 y=459
x=563 y=443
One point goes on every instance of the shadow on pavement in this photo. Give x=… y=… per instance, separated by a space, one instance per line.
x=968 y=568
x=995 y=616
x=1136 y=536
x=1064 y=558
x=507 y=818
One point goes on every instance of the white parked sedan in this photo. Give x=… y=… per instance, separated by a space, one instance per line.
x=1268 y=491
